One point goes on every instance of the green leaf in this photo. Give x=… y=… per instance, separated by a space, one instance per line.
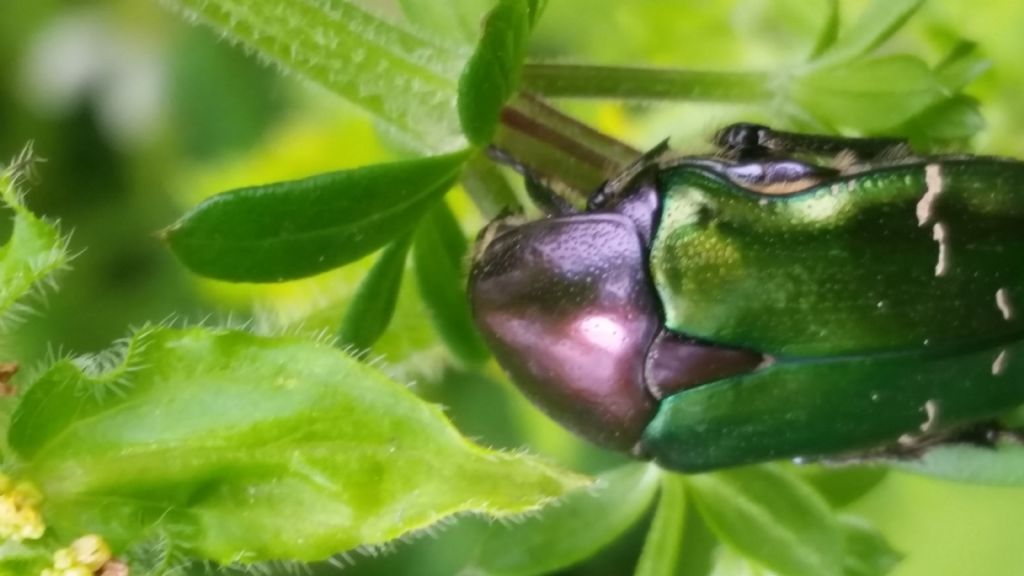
x=488 y=187
x=953 y=121
x=374 y=303
x=492 y=73
x=34 y=251
x=962 y=66
x=27 y=557
x=843 y=485
x=866 y=551
x=999 y=466
x=563 y=535
x=458 y=19
x=242 y=448
x=536 y=10
x=660 y=555
x=289 y=230
x=876 y=24
x=403 y=79
x=869 y=96
x=829 y=32
x=438 y=253
x=771 y=517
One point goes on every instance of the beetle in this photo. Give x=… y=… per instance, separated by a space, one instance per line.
x=787 y=296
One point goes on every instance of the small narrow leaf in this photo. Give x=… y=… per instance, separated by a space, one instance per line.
x=869 y=96
x=829 y=31
x=289 y=230
x=243 y=448
x=876 y=24
x=573 y=531
x=403 y=79
x=999 y=466
x=438 y=254
x=664 y=543
x=536 y=10
x=865 y=551
x=374 y=303
x=492 y=73
x=772 y=518
x=35 y=249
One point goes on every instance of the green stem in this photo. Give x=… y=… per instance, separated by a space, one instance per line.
x=558 y=148
x=578 y=81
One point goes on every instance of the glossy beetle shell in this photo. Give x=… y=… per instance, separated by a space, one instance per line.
x=870 y=309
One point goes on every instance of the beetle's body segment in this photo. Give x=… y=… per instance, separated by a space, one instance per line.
x=872 y=307
x=884 y=261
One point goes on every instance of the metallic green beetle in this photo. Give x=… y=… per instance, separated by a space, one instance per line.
x=789 y=296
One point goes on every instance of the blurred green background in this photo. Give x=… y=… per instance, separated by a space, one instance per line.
x=139 y=115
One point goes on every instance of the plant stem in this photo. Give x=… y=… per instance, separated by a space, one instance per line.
x=557 y=148
x=578 y=81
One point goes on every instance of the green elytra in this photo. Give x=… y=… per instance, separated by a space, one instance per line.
x=887 y=300
x=881 y=295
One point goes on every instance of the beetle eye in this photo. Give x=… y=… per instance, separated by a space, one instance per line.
x=568 y=308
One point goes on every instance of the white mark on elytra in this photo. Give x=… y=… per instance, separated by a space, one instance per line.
x=940 y=233
x=933 y=187
x=999 y=366
x=1004 y=304
x=931 y=410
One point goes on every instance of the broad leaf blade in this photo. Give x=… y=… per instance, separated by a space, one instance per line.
x=876 y=24
x=243 y=448
x=492 y=73
x=772 y=518
x=403 y=79
x=34 y=251
x=865 y=551
x=664 y=543
x=374 y=304
x=581 y=525
x=999 y=466
x=294 y=229
x=438 y=253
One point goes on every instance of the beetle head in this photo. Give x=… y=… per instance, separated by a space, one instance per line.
x=568 y=308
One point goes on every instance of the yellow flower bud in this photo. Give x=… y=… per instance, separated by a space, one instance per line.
x=91 y=551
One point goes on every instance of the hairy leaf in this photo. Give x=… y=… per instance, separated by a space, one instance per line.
x=35 y=249
x=245 y=448
x=492 y=73
x=403 y=79
x=289 y=230
x=581 y=525
x=772 y=518
x=458 y=19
